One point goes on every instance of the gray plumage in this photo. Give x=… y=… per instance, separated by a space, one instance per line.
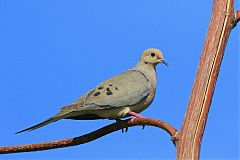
x=132 y=90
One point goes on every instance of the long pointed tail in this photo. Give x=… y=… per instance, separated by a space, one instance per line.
x=50 y=120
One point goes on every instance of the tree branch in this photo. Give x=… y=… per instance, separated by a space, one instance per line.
x=91 y=136
x=191 y=132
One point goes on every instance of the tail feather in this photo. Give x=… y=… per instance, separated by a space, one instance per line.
x=50 y=120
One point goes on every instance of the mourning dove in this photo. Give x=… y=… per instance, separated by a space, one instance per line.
x=124 y=95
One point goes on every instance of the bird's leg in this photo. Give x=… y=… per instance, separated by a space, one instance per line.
x=126 y=129
x=136 y=115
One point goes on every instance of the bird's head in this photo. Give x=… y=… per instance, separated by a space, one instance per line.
x=153 y=56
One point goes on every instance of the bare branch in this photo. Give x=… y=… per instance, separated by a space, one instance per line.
x=90 y=136
x=192 y=130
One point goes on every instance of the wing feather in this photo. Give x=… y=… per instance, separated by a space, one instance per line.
x=125 y=89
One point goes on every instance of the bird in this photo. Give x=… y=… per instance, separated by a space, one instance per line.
x=121 y=96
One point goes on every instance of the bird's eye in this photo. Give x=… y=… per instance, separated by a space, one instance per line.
x=152 y=54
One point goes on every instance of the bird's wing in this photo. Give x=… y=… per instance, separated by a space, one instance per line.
x=126 y=89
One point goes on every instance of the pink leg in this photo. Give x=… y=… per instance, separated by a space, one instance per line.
x=136 y=115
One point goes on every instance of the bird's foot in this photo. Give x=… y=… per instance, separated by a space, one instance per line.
x=136 y=115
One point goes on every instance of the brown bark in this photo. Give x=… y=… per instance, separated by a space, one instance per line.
x=90 y=136
x=191 y=133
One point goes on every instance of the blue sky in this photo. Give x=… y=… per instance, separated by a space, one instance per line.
x=54 y=51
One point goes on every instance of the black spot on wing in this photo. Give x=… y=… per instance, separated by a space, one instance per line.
x=108 y=89
x=116 y=88
x=110 y=85
x=100 y=87
x=96 y=94
x=109 y=93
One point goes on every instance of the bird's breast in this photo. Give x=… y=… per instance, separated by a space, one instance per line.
x=146 y=102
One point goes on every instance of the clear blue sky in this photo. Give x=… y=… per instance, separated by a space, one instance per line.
x=52 y=52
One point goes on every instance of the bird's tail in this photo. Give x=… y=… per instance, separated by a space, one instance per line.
x=50 y=120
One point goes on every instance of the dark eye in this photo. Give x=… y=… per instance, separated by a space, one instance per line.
x=152 y=54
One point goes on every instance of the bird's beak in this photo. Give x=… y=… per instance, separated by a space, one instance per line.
x=164 y=62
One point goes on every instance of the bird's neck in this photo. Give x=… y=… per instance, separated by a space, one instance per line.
x=149 y=70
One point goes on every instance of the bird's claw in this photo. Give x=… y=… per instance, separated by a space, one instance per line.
x=132 y=121
x=125 y=130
